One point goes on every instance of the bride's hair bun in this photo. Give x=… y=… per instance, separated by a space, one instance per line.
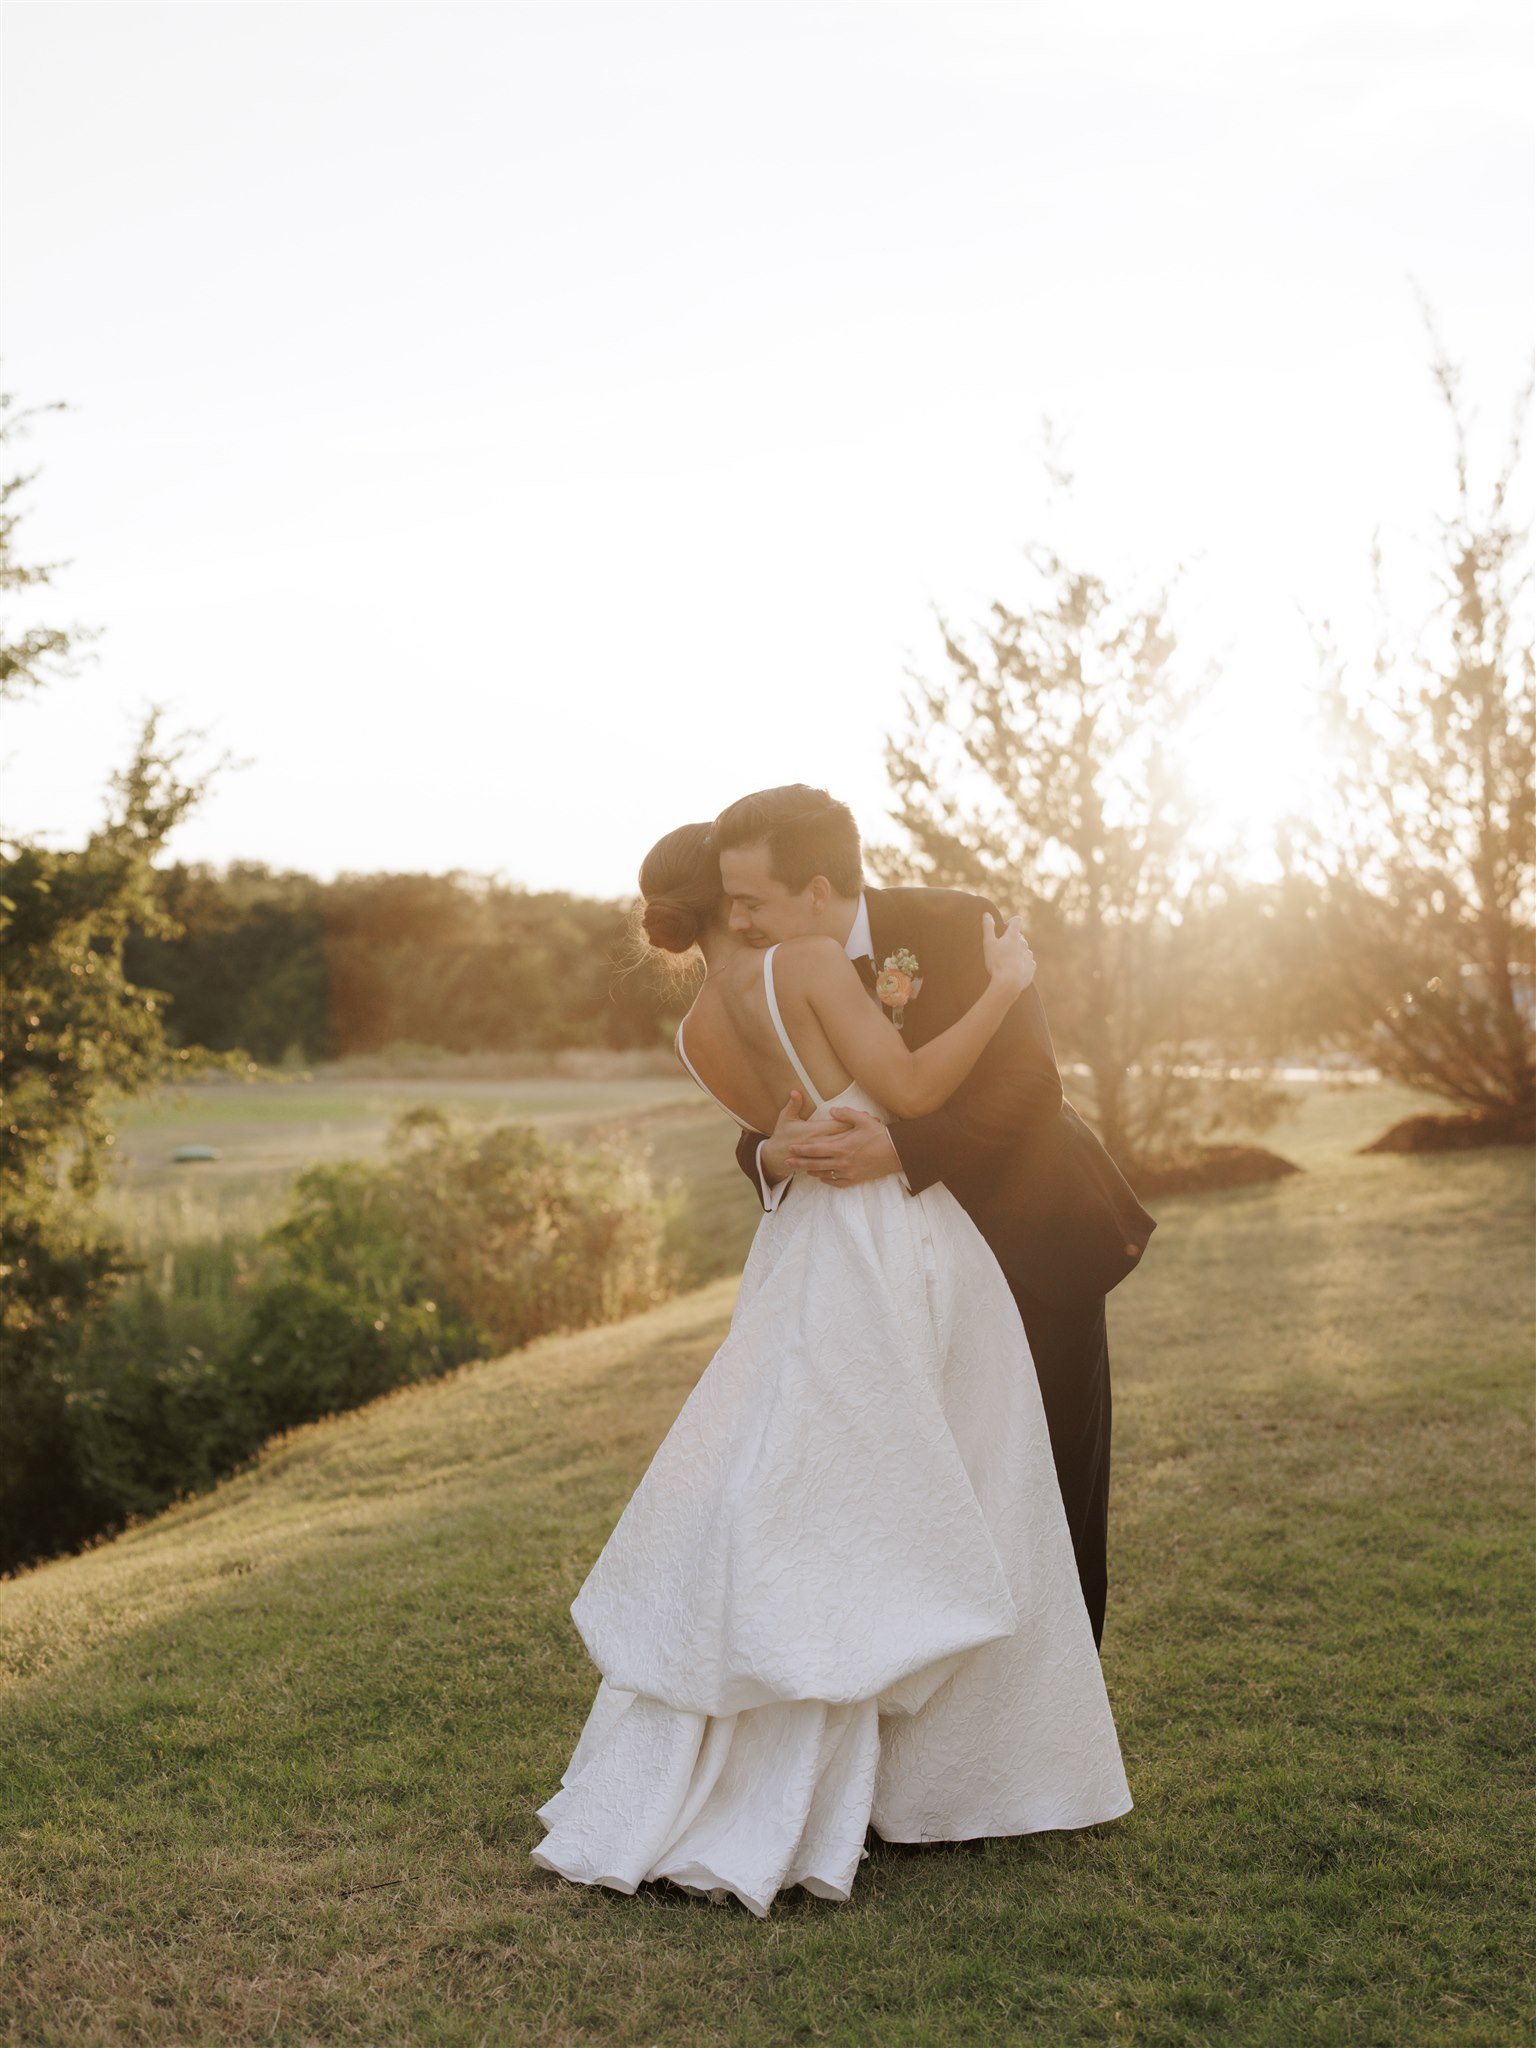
x=680 y=888
x=670 y=924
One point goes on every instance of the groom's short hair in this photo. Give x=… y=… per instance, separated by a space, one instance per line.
x=807 y=832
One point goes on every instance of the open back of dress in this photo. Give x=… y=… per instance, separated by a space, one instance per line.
x=851 y=1097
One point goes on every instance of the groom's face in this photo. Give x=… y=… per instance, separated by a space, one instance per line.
x=763 y=910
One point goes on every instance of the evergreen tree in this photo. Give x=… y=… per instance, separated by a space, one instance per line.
x=75 y=1033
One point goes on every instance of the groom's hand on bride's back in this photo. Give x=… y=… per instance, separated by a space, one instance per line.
x=854 y=1149
x=792 y=1126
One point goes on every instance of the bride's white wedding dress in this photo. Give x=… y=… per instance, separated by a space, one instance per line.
x=843 y=1593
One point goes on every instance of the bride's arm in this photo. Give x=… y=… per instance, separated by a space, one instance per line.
x=908 y=1083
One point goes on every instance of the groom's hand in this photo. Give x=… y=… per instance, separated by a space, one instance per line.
x=791 y=1125
x=861 y=1151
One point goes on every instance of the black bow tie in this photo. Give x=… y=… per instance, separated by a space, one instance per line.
x=866 y=971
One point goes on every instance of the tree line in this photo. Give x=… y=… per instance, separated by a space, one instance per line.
x=283 y=966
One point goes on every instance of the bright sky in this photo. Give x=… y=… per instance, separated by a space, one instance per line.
x=517 y=429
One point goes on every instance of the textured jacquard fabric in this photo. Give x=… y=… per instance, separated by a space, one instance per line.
x=844 y=1593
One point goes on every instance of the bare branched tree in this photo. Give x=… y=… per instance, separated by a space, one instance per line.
x=1043 y=769
x=1425 y=865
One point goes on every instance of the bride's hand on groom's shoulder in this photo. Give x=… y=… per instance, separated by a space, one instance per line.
x=1006 y=953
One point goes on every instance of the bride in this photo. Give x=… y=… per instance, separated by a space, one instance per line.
x=843 y=1594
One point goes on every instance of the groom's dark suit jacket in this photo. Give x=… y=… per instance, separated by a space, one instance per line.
x=1059 y=1215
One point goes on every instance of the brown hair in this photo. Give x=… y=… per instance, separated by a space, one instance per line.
x=680 y=881
x=807 y=833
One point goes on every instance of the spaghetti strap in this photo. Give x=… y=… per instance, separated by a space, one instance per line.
x=682 y=1053
x=778 y=1024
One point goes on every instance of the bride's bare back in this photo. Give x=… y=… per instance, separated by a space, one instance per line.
x=729 y=1040
x=729 y=1036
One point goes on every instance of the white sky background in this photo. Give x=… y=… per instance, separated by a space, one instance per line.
x=517 y=429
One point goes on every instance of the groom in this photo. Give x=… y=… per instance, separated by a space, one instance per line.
x=1061 y=1220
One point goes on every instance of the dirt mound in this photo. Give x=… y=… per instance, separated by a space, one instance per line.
x=1210 y=1167
x=1456 y=1133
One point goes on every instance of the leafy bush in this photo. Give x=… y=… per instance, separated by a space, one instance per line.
x=524 y=1235
x=457 y=1244
x=317 y=1348
x=51 y=1275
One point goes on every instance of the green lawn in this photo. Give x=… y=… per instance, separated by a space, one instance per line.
x=270 y=1762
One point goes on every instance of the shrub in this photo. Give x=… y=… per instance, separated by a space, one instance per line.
x=51 y=1275
x=317 y=1348
x=526 y=1236
x=457 y=1244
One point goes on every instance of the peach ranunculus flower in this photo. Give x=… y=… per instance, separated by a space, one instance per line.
x=897 y=983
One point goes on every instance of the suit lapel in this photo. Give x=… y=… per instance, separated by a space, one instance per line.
x=879 y=922
x=894 y=921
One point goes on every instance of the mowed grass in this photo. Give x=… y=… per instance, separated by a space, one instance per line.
x=270 y=1763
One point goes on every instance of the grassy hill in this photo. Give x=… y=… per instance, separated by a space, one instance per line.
x=268 y=1765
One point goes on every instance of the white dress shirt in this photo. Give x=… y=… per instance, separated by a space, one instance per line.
x=858 y=941
x=857 y=944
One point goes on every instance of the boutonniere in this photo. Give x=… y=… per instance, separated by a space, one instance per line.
x=898 y=982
